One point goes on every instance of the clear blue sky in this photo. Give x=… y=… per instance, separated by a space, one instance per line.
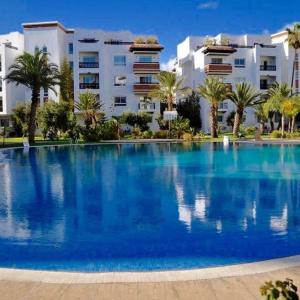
x=171 y=20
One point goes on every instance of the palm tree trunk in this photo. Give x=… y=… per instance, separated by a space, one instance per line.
x=32 y=115
x=261 y=127
x=293 y=123
x=293 y=72
x=237 y=121
x=271 y=115
x=282 y=126
x=214 y=121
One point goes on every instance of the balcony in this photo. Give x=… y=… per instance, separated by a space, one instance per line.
x=145 y=48
x=144 y=106
x=221 y=69
x=268 y=67
x=92 y=86
x=88 y=65
x=152 y=67
x=218 y=49
x=144 y=88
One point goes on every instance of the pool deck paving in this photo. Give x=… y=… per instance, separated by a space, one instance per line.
x=236 y=287
x=214 y=283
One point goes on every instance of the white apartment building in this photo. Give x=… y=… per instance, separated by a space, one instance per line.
x=258 y=59
x=118 y=70
x=11 y=45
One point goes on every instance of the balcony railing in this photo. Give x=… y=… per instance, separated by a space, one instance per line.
x=147 y=106
x=218 y=69
x=151 y=67
x=88 y=86
x=88 y=65
x=267 y=67
x=144 y=88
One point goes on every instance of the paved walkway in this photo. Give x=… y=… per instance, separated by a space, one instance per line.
x=233 y=288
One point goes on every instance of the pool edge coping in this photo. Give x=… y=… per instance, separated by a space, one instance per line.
x=58 y=277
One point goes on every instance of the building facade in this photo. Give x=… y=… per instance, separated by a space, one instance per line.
x=116 y=66
x=258 y=59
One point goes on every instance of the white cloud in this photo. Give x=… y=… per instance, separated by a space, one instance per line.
x=208 y=5
x=168 y=65
x=266 y=31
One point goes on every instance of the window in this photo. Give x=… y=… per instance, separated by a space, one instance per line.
x=90 y=58
x=220 y=118
x=120 y=101
x=45 y=95
x=120 y=60
x=71 y=64
x=0 y=64
x=216 y=60
x=146 y=79
x=145 y=99
x=240 y=62
x=36 y=49
x=145 y=59
x=1 y=104
x=120 y=80
x=70 y=48
x=45 y=50
x=89 y=78
x=0 y=84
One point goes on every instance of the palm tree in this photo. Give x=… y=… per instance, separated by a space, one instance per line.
x=294 y=42
x=214 y=91
x=168 y=87
x=34 y=72
x=91 y=108
x=277 y=94
x=290 y=109
x=261 y=115
x=244 y=96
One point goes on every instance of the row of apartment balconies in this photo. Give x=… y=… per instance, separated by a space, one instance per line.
x=138 y=88
x=226 y=68
x=138 y=67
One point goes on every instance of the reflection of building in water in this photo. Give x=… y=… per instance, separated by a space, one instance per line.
x=240 y=198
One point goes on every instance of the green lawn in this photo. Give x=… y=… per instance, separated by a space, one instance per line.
x=18 y=142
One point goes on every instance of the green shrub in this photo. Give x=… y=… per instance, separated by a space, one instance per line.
x=187 y=136
x=91 y=134
x=293 y=135
x=109 y=130
x=161 y=134
x=140 y=120
x=147 y=134
x=199 y=135
x=20 y=119
x=276 y=134
x=179 y=127
x=53 y=118
x=250 y=130
x=285 y=290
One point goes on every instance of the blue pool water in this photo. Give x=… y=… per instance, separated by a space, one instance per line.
x=148 y=207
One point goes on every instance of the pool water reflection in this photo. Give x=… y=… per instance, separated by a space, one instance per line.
x=148 y=207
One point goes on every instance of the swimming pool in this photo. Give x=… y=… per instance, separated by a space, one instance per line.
x=136 y=207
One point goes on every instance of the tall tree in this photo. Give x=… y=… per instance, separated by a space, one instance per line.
x=277 y=94
x=294 y=42
x=67 y=84
x=35 y=72
x=214 y=91
x=168 y=88
x=245 y=95
x=261 y=115
x=189 y=108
